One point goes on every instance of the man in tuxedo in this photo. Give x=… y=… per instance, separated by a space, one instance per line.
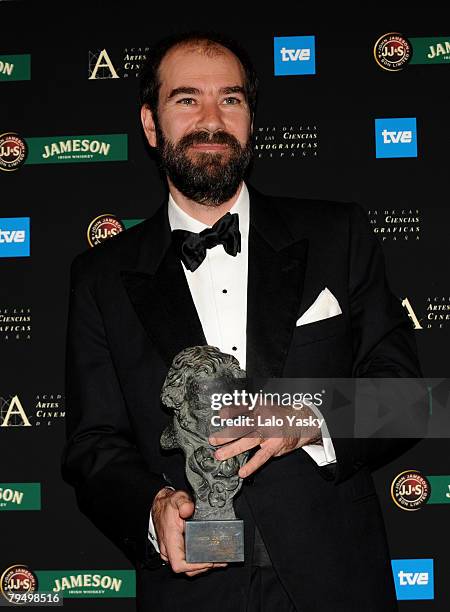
x=291 y=288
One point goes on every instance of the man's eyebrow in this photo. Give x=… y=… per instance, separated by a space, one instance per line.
x=233 y=89
x=183 y=90
x=194 y=91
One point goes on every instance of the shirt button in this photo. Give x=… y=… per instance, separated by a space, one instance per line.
x=234 y=348
x=224 y=291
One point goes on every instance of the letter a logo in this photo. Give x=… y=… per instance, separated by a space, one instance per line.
x=411 y=314
x=101 y=62
x=15 y=410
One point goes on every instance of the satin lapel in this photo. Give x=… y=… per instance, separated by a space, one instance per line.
x=159 y=292
x=276 y=270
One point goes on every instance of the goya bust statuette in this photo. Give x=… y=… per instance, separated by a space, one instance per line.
x=195 y=374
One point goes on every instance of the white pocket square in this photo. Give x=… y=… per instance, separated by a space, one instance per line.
x=324 y=307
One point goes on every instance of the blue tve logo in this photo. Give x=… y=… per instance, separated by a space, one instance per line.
x=294 y=55
x=396 y=137
x=15 y=237
x=413 y=578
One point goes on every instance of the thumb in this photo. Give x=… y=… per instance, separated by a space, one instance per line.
x=184 y=505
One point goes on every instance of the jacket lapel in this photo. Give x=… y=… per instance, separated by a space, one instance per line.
x=276 y=270
x=159 y=292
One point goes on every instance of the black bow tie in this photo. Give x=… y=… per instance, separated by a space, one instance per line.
x=191 y=247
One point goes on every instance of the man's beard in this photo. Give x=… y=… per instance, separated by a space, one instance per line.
x=211 y=178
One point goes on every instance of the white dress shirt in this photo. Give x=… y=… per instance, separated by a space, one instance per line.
x=219 y=290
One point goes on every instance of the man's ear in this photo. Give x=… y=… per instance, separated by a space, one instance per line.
x=148 y=124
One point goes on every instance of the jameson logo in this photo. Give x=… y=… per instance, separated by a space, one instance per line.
x=72 y=149
x=20 y=496
x=75 y=146
x=15 y=67
x=106 y=583
x=88 y=583
x=431 y=50
x=440 y=49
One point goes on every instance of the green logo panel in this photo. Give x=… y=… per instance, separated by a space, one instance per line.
x=20 y=496
x=76 y=149
x=440 y=489
x=127 y=223
x=15 y=67
x=88 y=583
x=430 y=50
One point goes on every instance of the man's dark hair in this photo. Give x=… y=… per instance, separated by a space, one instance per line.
x=149 y=74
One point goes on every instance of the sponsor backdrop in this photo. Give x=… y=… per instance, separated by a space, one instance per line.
x=342 y=115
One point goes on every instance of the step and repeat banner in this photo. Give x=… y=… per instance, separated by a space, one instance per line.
x=342 y=115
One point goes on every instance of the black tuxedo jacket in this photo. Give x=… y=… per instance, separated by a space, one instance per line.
x=131 y=311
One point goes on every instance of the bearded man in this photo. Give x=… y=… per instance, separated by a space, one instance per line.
x=291 y=288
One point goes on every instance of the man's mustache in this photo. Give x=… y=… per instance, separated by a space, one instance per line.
x=219 y=138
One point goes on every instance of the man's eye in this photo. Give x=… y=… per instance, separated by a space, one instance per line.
x=231 y=100
x=186 y=101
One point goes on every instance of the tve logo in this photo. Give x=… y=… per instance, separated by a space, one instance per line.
x=396 y=137
x=15 y=237
x=413 y=578
x=294 y=55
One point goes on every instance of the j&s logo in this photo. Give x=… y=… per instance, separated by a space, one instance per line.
x=13 y=151
x=410 y=490
x=396 y=137
x=294 y=55
x=392 y=51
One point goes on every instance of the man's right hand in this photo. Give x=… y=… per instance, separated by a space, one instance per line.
x=169 y=511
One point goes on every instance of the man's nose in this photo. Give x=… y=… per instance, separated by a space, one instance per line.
x=210 y=117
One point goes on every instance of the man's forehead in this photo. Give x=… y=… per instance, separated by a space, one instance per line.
x=189 y=63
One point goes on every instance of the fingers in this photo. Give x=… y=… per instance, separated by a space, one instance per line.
x=270 y=447
x=171 y=542
x=183 y=504
x=174 y=543
x=179 y=564
x=202 y=571
x=235 y=448
x=266 y=451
